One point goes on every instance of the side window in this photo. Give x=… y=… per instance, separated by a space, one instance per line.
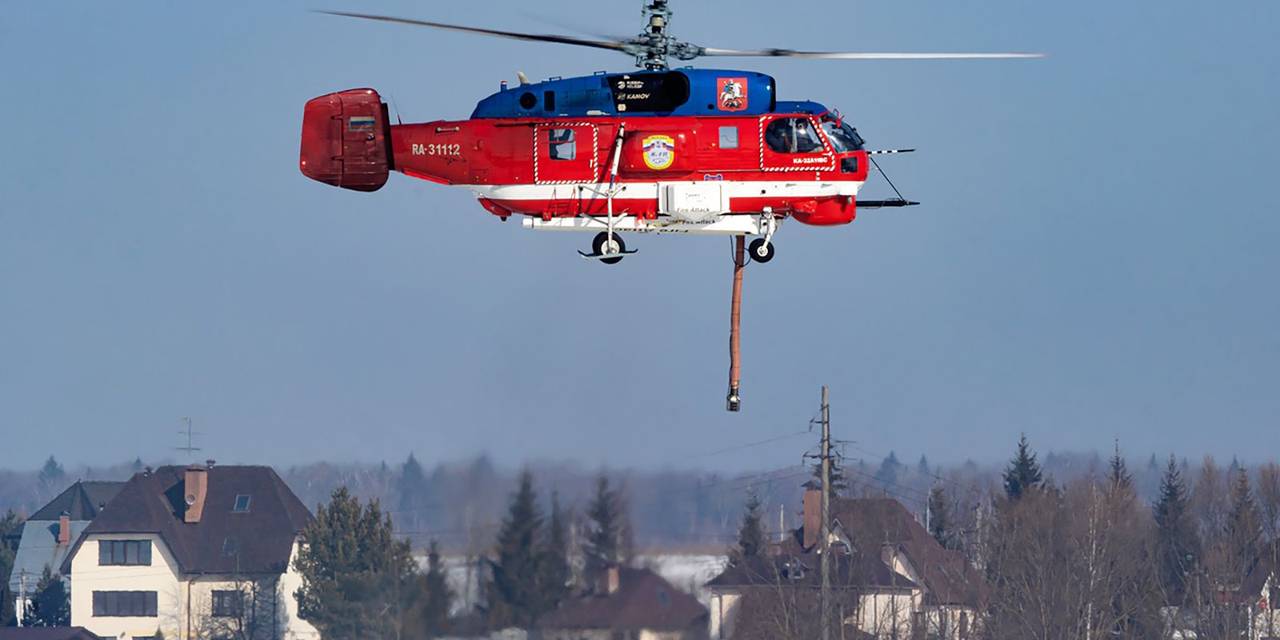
x=728 y=137
x=792 y=135
x=562 y=145
x=124 y=552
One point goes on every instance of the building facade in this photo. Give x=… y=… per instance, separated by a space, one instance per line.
x=199 y=552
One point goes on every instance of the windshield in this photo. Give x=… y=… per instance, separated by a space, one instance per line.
x=842 y=135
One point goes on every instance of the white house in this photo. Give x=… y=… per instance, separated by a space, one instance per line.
x=47 y=535
x=890 y=579
x=199 y=552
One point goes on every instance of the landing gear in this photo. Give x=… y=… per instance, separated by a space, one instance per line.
x=761 y=250
x=602 y=245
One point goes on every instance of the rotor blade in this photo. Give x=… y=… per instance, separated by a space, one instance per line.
x=535 y=37
x=852 y=55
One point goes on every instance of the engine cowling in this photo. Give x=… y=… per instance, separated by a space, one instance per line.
x=346 y=140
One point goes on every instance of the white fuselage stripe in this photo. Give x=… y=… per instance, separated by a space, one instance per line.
x=649 y=190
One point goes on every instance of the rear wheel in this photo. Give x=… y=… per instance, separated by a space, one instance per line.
x=602 y=245
x=760 y=250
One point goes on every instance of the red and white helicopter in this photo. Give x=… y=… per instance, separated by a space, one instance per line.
x=697 y=151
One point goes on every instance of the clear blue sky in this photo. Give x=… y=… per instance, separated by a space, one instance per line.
x=1095 y=257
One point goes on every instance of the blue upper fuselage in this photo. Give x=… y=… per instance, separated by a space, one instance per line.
x=676 y=92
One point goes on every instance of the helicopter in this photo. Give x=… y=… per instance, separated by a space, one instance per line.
x=658 y=150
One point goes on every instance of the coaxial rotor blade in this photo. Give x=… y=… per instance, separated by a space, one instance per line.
x=515 y=35
x=854 y=55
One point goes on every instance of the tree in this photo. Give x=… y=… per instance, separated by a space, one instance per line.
x=751 y=536
x=922 y=467
x=513 y=589
x=426 y=614
x=1176 y=543
x=940 y=525
x=554 y=571
x=603 y=546
x=414 y=493
x=51 y=606
x=887 y=474
x=1118 y=476
x=354 y=571
x=839 y=484
x=1243 y=528
x=10 y=528
x=1023 y=473
x=51 y=474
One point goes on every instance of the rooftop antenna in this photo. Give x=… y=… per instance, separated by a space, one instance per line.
x=190 y=449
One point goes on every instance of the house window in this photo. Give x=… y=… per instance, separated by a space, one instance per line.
x=792 y=135
x=228 y=604
x=120 y=604
x=242 y=504
x=562 y=144
x=230 y=546
x=728 y=137
x=124 y=552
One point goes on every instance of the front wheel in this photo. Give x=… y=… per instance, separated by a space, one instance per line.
x=760 y=250
x=603 y=246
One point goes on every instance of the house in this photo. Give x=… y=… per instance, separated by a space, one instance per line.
x=192 y=552
x=1262 y=588
x=47 y=633
x=48 y=534
x=890 y=579
x=630 y=604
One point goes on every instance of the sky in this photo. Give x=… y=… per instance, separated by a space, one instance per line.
x=1094 y=259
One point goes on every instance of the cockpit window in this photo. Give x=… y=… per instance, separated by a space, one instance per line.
x=792 y=135
x=841 y=134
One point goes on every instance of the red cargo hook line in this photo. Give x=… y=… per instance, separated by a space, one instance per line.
x=734 y=402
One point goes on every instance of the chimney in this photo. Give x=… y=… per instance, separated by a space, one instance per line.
x=64 y=529
x=613 y=579
x=195 y=486
x=812 y=516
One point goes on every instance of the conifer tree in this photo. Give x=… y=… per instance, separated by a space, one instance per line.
x=427 y=613
x=887 y=475
x=1118 y=476
x=51 y=606
x=414 y=494
x=513 y=589
x=922 y=467
x=839 y=484
x=1023 y=474
x=1243 y=526
x=1176 y=544
x=353 y=570
x=751 y=535
x=603 y=546
x=51 y=474
x=555 y=573
x=940 y=525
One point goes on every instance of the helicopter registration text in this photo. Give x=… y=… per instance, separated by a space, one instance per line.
x=436 y=149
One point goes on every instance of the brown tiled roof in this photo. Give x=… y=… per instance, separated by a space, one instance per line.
x=643 y=601
x=872 y=523
x=856 y=571
x=81 y=501
x=46 y=633
x=257 y=541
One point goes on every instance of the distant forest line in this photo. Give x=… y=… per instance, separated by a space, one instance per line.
x=461 y=503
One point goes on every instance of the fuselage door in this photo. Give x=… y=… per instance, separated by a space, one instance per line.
x=792 y=143
x=565 y=152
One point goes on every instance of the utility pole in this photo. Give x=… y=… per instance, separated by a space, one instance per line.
x=824 y=544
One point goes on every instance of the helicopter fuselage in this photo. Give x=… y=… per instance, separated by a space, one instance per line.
x=701 y=151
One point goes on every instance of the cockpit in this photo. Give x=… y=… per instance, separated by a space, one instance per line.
x=841 y=134
x=797 y=135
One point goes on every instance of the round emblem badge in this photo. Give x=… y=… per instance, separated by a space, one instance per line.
x=659 y=151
